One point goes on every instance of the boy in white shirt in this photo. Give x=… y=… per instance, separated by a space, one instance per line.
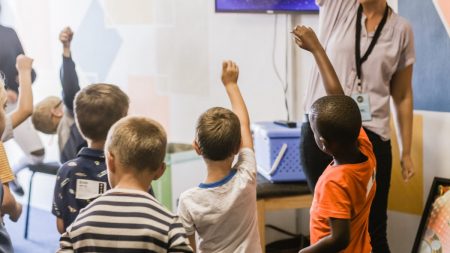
x=222 y=209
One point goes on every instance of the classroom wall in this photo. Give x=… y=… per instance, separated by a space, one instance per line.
x=167 y=55
x=171 y=50
x=434 y=127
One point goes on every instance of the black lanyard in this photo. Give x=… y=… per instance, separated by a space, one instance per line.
x=359 y=60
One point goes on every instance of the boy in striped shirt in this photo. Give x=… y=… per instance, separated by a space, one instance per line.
x=127 y=218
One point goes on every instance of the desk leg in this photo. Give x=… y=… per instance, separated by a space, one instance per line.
x=27 y=218
x=262 y=224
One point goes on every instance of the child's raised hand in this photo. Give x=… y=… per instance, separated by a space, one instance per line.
x=306 y=38
x=23 y=63
x=230 y=72
x=66 y=36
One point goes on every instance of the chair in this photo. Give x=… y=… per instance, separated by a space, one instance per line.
x=50 y=168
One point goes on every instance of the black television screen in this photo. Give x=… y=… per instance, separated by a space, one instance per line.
x=268 y=6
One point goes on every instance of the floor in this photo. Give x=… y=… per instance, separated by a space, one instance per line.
x=42 y=234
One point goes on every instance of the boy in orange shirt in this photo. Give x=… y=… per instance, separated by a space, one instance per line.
x=344 y=193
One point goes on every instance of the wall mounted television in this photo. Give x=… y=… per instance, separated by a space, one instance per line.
x=266 y=6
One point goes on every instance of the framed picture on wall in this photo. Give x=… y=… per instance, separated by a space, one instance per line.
x=433 y=235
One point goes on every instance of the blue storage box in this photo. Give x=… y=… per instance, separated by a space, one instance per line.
x=277 y=152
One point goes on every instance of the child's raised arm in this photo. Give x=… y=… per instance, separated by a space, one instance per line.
x=25 y=101
x=230 y=74
x=307 y=39
x=68 y=74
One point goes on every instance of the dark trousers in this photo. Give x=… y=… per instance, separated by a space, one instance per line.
x=314 y=162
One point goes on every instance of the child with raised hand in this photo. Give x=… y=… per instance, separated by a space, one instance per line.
x=81 y=180
x=33 y=147
x=24 y=67
x=222 y=209
x=344 y=193
x=54 y=115
x=94 y=109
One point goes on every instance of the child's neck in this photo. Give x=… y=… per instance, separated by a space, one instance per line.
x=217 y=170
x=132 y=182
x=100 y=145
x=349 y=155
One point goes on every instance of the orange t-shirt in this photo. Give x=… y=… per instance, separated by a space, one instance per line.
x=346 y=192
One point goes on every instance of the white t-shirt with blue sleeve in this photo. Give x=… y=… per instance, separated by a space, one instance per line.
x=224 y=213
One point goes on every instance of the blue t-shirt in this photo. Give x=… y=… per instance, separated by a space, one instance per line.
x=89 y=165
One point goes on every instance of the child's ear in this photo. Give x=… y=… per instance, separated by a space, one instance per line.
x=110 y=162
x=236 y=150
x=110 y=168
x=196 y=147
x=57 y=112
x=160 y=172
x=324 y=144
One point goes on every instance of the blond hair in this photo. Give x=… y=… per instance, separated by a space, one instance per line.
x=97 y=107
x=42 y=117
x=218 y=133
x=137 y=142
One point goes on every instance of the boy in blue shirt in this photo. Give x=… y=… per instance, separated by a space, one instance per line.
x=79 y=181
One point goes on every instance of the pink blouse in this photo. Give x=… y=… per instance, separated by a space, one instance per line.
x=394 y=51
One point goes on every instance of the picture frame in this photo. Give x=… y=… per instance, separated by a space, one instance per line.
x=434 y=229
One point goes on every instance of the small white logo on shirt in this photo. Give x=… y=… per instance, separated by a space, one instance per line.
x=371 y=182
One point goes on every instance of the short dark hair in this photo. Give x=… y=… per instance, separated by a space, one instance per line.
x=138 y=142
x=97 y=107
x=218 y=133
x=337 y=118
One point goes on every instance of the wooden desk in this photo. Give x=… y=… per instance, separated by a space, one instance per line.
x=272 y=197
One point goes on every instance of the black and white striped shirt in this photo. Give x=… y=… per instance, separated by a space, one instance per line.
x=125 y=220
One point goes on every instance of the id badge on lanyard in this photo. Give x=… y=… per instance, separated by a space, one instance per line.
x=363 y=102
x=363 y=99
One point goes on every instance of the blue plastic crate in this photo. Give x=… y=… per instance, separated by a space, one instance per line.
x=277 y=152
